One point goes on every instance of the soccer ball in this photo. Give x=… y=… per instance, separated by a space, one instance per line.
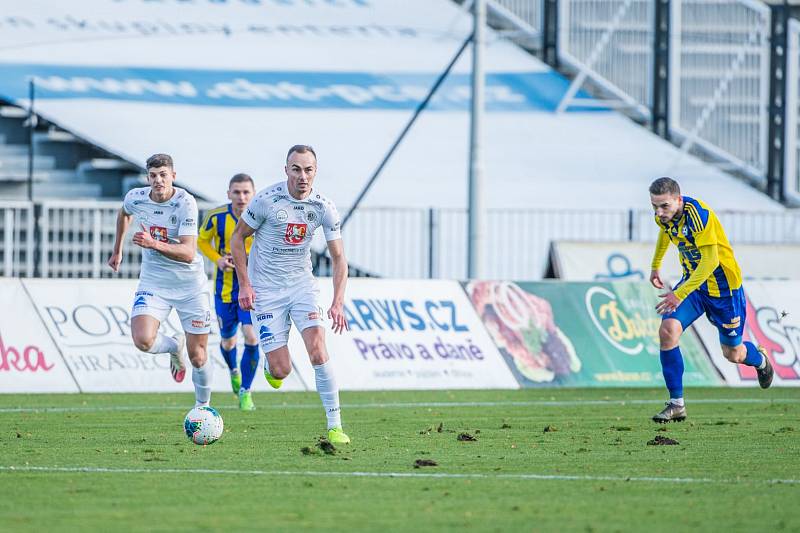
x=203 y=425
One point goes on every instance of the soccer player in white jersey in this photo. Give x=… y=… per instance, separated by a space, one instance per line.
x=172 y=273
x=277 y=284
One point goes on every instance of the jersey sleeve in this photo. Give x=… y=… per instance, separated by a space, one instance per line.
x=127 y=202
x=254 y=214
x=208 y=231
x=661 y=248
x=331 y=223
x=187 y=218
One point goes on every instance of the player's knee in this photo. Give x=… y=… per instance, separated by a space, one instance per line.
x=143 y=341
x=318 y=357
x=229 y=343
x=250 y=337
x=280 y=369
x=669 y=333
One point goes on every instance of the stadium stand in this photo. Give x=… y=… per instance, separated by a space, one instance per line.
x=227 y=106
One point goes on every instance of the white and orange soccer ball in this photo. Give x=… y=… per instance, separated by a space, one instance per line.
x=203 y=425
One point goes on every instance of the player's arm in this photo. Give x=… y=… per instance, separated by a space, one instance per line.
x=208 y=230
x=709 y=260
x=184 y=250
x=336 y=312
x=241 y=232
x=123 y=223
x=661 y=248
x=208 y=233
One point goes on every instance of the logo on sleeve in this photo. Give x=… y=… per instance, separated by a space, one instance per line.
x=295 y=233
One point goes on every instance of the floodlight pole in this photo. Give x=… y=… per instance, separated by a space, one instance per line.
x=475 y=214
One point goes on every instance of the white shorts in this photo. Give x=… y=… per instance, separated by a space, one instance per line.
x=276 y=310
x=193 y=309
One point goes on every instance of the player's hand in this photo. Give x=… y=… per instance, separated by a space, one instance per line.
x=143 y=238
x=247 y=297
x=114 y=261
x=655 y=279
x=336 y=314
x=225 y=263
x=668 y=304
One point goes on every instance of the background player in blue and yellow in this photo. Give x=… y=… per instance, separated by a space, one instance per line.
x=214 y=243
x=711 y=284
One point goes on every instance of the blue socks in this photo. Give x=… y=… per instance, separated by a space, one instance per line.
x=229 y=356
x=753 y=357
x=249 y=365
x=672 y=368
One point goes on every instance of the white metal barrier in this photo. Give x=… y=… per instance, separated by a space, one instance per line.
x=526 y=15
x=719 y=70
x=16 y=238
x=792 y=147
x=719 y=67
x=76 y=238
x=611 y=43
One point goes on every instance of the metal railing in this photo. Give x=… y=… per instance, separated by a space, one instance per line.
x=76 y=238
x=720 y=80
x=719 y=55
x=16 y=239
x=611 y=43
x=792 y=166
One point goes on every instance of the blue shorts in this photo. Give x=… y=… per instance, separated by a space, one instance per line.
x=727 y=313
x=229 y=315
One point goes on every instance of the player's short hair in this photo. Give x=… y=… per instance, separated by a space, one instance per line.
x=159 y=160
x=241 y=178
x=665 y=186
x=301 y=149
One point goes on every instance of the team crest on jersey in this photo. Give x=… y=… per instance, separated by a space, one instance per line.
x=311 y=216
x=685 y=231
x=159 y=233
x=295 y=233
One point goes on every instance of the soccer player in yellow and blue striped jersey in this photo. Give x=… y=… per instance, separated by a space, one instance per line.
x=711 y=284
x=214 y=242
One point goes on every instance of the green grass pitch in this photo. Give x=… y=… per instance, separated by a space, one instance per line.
x=570 y=460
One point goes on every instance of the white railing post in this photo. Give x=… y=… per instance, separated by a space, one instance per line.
x=96 y=241
x=44 y=241
x=8 y=241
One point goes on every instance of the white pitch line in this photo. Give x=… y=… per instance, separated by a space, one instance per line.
x=412 y=405
x=415 y=475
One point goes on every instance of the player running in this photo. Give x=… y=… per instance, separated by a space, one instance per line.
x=278 y=284
x=214 y=242
x=171 y=274
x=711 y=284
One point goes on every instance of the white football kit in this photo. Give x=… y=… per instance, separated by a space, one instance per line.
x=279 y=264
x=163 y=282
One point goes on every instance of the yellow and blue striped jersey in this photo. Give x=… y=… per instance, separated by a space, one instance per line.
x=699 y=226
x=214 y=242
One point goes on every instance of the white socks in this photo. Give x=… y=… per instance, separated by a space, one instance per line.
x=201 y=377
x=676 y=401
x=328 y=393
x=163 y=344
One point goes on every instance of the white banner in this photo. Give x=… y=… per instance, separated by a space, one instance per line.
x=29 y=361
x=408 y=334
x=773 y=321
x=90 y=322
x=615 y=261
